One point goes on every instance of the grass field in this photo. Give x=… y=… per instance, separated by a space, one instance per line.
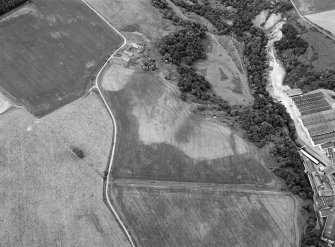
x=160 y=138
x=48 y=196
x=220 y=69
x=50 y=51
x=307 y=7
x=164 y=217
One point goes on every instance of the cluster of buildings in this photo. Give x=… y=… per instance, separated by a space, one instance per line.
x=323 y=185
x=131 y=51
x=317 y=118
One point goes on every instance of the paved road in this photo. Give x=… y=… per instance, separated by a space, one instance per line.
x=132 y=243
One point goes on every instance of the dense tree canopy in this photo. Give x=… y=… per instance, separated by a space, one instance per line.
x=7 y=5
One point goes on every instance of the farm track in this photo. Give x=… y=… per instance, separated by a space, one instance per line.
x=311 y=23
x=111 y=207
x=194 y=186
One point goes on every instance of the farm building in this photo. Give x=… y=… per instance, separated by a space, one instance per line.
x=139 y=48
x=317 y=117
x=125 y=58
x=328 y=233
x=294 y=92
x=128 y=53
x=311 y=103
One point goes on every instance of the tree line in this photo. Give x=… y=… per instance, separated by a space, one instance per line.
x=7 y=5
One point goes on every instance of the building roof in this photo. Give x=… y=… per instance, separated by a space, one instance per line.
x=128 y=53
x=329 y=229
x=294 y=92
x=319 y=117
x=328 y=145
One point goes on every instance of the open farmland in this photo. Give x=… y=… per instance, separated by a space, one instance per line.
x=160 y=138
x=307 y=7
x=324 y=19
x=88 y=128
x=133 y=16
x=48 y=196
x=50 y=51
x=187 y=217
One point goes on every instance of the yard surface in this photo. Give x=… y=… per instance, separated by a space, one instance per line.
x=169 y=217
x=51 y=51
x=49 y=196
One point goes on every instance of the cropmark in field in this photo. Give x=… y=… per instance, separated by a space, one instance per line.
x=51 y=52
x=160 y=138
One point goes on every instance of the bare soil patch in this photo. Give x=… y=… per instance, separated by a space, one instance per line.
x=50 y=51
x=48 y=196
x=163 y=217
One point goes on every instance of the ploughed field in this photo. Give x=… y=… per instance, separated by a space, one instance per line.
x=51 y=51
x=159 y=137
x=49 y=196
x=197 y=218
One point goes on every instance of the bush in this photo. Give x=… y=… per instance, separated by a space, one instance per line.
x=80 y=153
